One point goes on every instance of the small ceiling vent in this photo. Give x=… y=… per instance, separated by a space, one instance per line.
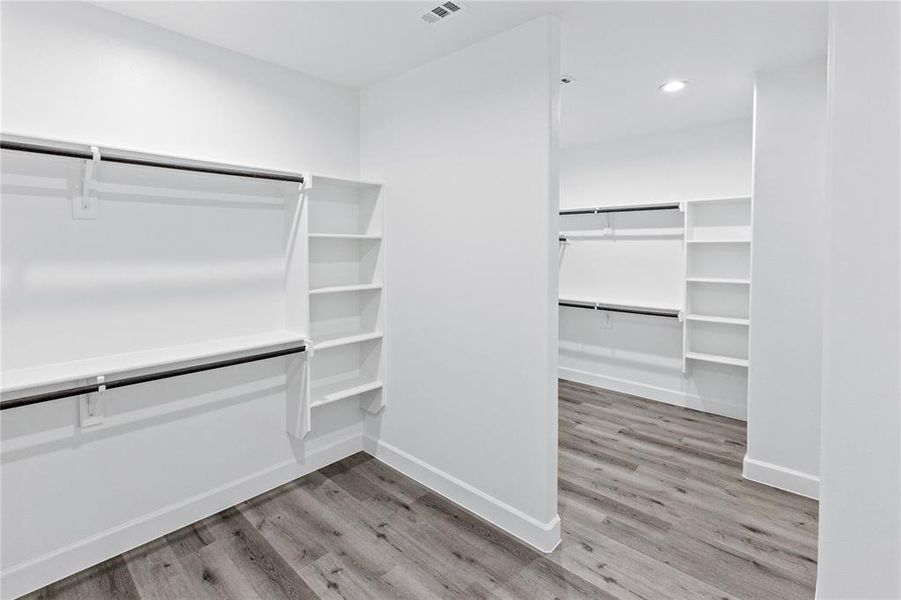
x=443 y=11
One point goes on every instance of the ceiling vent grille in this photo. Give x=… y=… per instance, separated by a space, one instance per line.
x=442 y=11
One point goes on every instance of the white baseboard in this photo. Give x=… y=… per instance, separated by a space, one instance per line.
x=33 y=574
x=651 y=392
x=796 y=482
x=542 y=536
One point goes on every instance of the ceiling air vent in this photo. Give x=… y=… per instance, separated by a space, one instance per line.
x=442 y=11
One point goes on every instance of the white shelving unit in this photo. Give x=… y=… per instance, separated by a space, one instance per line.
x=717 y=284
x=332 y=261
x=346 y=291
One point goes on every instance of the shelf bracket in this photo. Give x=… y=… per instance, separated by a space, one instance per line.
x=85 y=205
x=91 y=406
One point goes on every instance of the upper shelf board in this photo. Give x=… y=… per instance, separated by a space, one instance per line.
x=27 y=378
x=357 y=183
x=723 y=200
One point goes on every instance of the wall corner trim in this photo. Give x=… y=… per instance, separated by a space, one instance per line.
x=796 y=482
x=544 y=537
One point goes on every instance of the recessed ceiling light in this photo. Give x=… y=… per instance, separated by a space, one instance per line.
x=671 y=87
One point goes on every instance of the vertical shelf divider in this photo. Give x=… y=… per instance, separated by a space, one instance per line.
x=683 y=206
x=297 y=313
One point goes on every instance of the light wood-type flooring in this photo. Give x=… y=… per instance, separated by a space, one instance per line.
x=652 y=503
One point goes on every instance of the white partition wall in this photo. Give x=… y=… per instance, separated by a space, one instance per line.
x=860 y=464
x=789 y=262
x=467 y=144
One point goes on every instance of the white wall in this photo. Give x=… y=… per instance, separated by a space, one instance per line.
x=177 y=450
x=860 y=467
x=789 y=255
x=466 y=143
x=639 y=354
x=73 y=71
x=702 y=162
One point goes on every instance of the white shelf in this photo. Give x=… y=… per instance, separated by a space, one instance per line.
x=349 y=183
x=345 y=236
x=619 y=235
x=722 y=200
x=713 y=319
x=718 y=241
x=716 y=358
x=326 y=342
x=726 y=280
x=336 y=389
x=345 y=288
x=21 y=379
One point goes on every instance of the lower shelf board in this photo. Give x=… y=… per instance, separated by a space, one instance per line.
x=340 y=388
x=716 y=358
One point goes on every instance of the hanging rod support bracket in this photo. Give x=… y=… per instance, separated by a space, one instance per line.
x=90 y=405
x=85 y=205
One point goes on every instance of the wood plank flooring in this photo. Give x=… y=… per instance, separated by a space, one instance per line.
x=651 y=499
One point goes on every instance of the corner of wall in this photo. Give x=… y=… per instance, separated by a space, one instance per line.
x=544 y=537
x=796 y=482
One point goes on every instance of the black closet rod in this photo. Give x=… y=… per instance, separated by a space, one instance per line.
x=654 y=312
x=96 y=387
x=626 y=208
x=147 y=162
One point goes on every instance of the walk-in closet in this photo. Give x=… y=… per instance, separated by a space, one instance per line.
x=485 y=299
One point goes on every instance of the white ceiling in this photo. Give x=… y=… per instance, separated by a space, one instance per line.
x=619 y=52
x=346 y=42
